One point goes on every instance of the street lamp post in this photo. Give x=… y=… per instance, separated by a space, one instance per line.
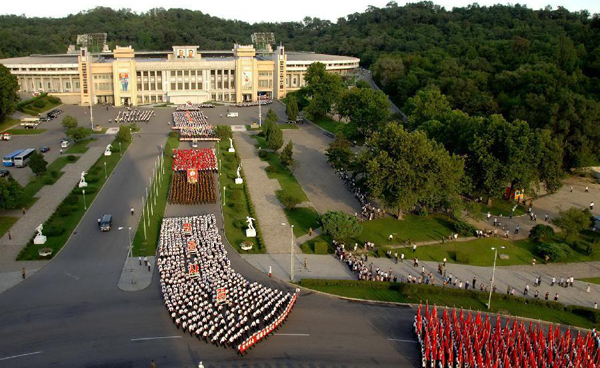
x=291 y=252
x=224 y=189
x=84 y=204
x=489 y=305
x=105 y=176
x=120 y=150
x=144 y=215
x=129 y=253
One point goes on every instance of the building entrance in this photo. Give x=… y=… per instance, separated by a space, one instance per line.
x=125 y=101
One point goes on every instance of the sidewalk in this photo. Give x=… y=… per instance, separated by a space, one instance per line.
x=135 y=275
x=329 y=267
x=50 y=196
x=262 y=191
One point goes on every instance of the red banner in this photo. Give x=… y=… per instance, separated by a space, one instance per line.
x=194 y=270
x=192 y=176
x=221 y=295
x=256 y=337
x=187 y=228
x=192 y=246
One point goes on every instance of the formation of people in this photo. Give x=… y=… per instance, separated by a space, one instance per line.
x=205 y=296
x=134 y=116
x=193 y=125
x=252 y=103
x=184 y=192
x=358 y=265
x=200 y=159
x=192 y=106
x=456 y=340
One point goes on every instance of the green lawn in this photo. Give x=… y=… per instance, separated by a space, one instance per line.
x=413 y=227
x=146 y=245
x=592 y=280
x=328 y=124
x=64 y=220
x=474 y=300
x=503 y=207
x=26 y=131
x=281 y=125
x=7 y=123
x=478 y=253
x=303 y=218
x=5 y=223
x=32 y=110
x=31 y=189
x=285 y=177
x=238 y=204
x=81 y=146
x=308 y=247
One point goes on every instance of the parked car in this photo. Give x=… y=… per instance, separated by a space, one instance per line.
x=106 y=223
x=44 y=149
x=4 y=173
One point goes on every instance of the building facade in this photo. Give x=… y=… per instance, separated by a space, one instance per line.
x=125 y=77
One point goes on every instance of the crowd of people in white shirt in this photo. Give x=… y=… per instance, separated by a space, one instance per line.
x=192 y=107
x=134 y=116
x=205 y=296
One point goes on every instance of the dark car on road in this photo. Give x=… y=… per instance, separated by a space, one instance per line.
x=106 y=223
x=4 y=173
x=44 y=149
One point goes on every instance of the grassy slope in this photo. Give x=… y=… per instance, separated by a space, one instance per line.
x=81 y=146
x=7 y=123
x=5 y=223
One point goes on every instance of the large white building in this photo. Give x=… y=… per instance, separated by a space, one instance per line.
x=184 y=74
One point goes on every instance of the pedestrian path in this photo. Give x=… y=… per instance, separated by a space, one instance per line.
x=578 y=270
x=306 y=237
x=50 y=197
x=330 y=267
x=137 y=273
x=262 y=191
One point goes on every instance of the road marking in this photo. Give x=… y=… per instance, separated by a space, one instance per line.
x=19 y=356
x=281 y=334
x=400 y=340
x=156 y=338
x=72 y=276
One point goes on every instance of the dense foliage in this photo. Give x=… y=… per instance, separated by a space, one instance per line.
x=340 y=225
x=8 y=93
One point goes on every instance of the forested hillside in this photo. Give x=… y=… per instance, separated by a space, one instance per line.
x=541 y=66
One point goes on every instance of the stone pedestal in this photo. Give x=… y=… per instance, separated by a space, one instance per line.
x=107 y=153
x=250 y=233
x=82 y=184
x=239 y=180
x=39 y=239
x=231 y=150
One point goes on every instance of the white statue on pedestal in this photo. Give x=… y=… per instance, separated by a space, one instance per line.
x=39 y=238
x=231 y=149
x=82 y=183
x=239 y=179
x=250 y=231
x=107 y=151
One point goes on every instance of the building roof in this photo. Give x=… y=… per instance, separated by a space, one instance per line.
x=310 y=56
x=41 y=59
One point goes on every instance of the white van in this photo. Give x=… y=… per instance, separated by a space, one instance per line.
x=232 y=114
x=65 y=144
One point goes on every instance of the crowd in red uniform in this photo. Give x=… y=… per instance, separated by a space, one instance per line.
x=201 y=159
x=471 y=341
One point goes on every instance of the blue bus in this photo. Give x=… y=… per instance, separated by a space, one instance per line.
x=9 y=160
x=22 y=158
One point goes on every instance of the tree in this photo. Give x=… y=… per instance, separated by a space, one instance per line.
x=286 y=155
x=539 y=233
x=9 y=86
x=406 y=169
x=323 y=89
x=223 y=131
x=80 y=133
x=340 y=225
x=11 y=194
x=37 y=163
x=275 y=139
x=271 y=116
x=428 y=104
x=550 y=155
x=289 y=200
x=124 y=134
x=291 y=108
x=339 y=154
x=69 y=122
x=366 y=108
x=572 y=221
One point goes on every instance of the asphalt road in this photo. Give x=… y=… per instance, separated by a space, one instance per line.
x=72 y=314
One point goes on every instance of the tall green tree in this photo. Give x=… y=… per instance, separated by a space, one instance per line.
x=323 y=88
x=340 y=225
x=37 y=163
x=286 y=155
x=275 y=138
x=291 y=108
x=366 y=108
x=80 y=133
x=339 y=154
x=8 y=93
x=572 y=221
x=124 y=134
x=406 y=169
x=428 y=104
x=11 y=194
x=69 y=122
